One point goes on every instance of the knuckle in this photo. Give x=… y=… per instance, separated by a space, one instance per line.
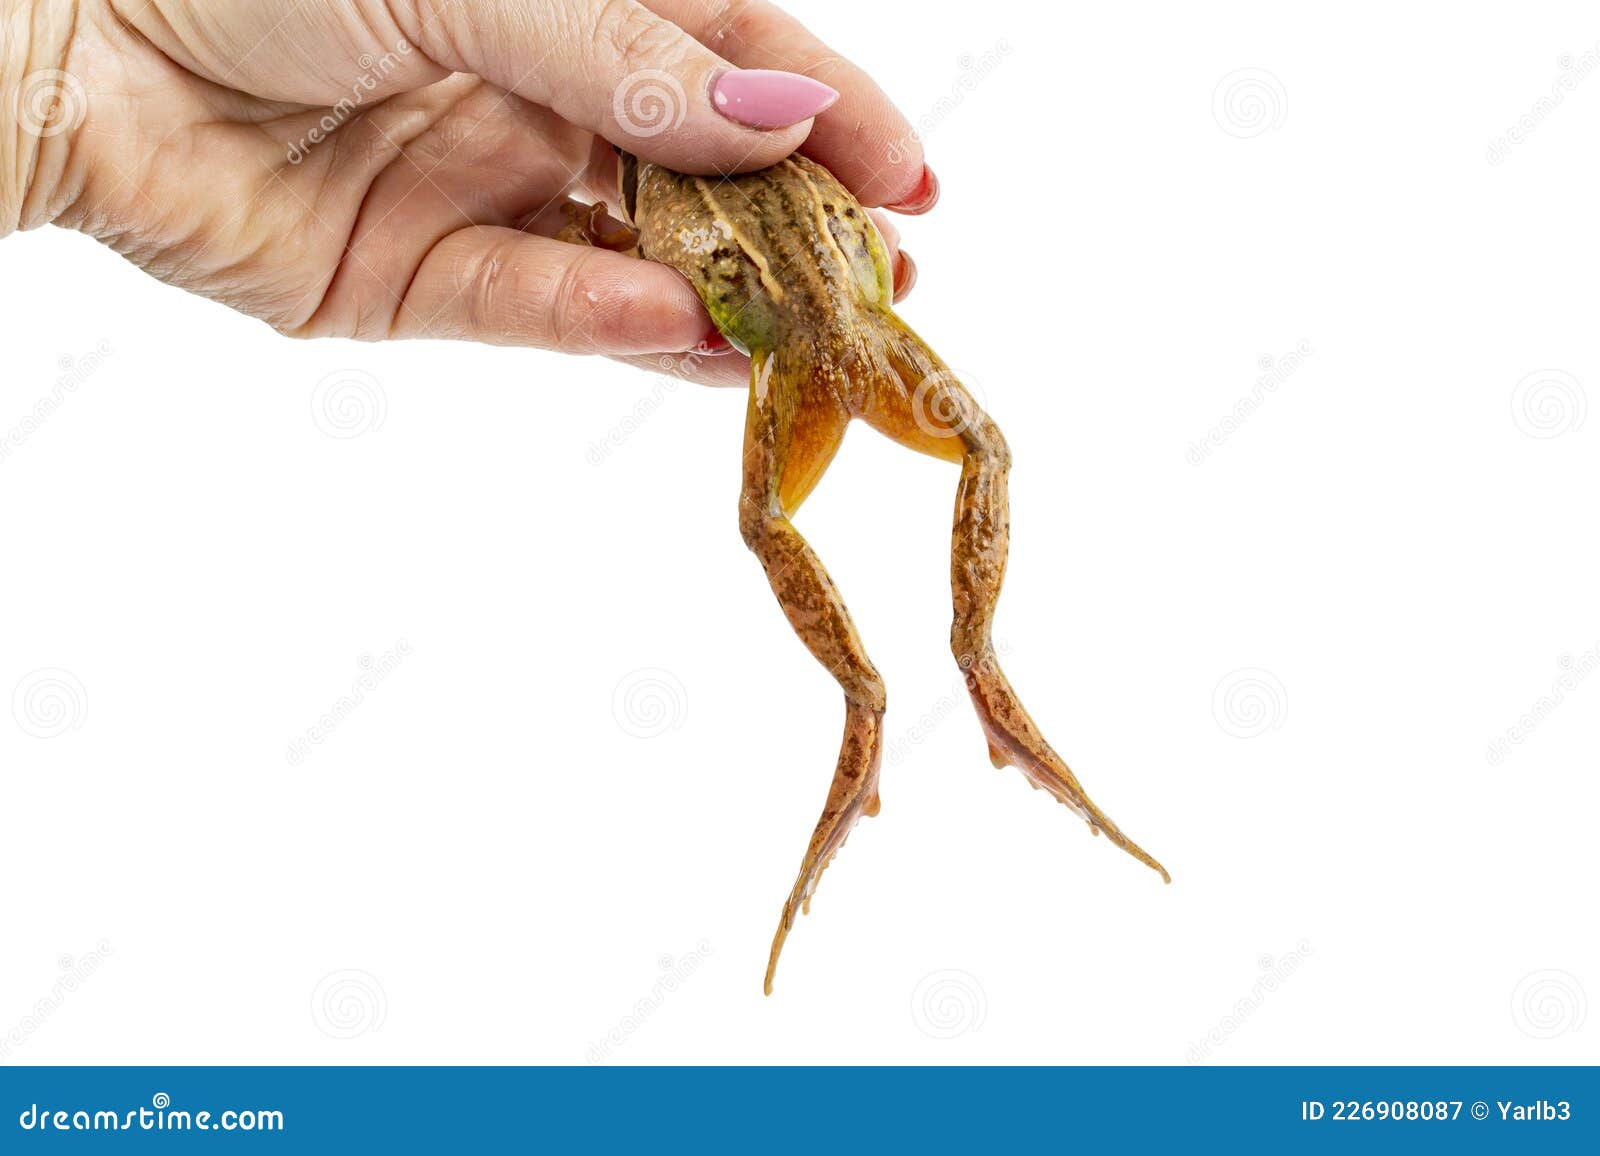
x=754 y=22
x=735 y=19
x=484 y=294
x=573 y=304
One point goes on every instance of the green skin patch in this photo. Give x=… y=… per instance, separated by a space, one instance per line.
x=782 y=256
x=746 y=326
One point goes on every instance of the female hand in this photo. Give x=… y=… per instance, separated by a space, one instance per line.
x=397 y=168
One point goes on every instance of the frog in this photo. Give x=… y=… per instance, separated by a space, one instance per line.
x=795 y=273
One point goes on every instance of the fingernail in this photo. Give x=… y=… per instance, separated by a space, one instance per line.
x=922 y=198
x=905 y=276
x=712 y=344
x=762 y=98
x=886 y=229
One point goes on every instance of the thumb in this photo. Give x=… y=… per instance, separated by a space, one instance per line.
x=622 y=72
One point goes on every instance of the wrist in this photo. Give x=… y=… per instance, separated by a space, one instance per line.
x=41 y=108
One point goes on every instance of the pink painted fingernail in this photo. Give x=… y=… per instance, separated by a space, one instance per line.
x=762 y=98
x=922 y=198
x=905 y=276
x=712 y=344
x=886 y=229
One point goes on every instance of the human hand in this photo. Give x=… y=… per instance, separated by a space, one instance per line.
x=397 y=168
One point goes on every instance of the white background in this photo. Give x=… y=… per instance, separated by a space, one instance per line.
x=1401 y=551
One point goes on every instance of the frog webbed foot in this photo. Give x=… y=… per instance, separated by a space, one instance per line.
x=791 y=434
x=919 y=402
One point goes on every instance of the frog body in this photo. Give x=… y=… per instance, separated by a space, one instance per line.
x=783 y=254
x=793 y=272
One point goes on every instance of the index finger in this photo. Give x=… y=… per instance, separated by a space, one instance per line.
x=862 y=139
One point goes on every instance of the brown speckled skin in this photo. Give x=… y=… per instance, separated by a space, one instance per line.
x=792 y=270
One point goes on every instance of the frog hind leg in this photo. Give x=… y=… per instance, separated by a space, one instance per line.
x=792 y=430
x=921 y=404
